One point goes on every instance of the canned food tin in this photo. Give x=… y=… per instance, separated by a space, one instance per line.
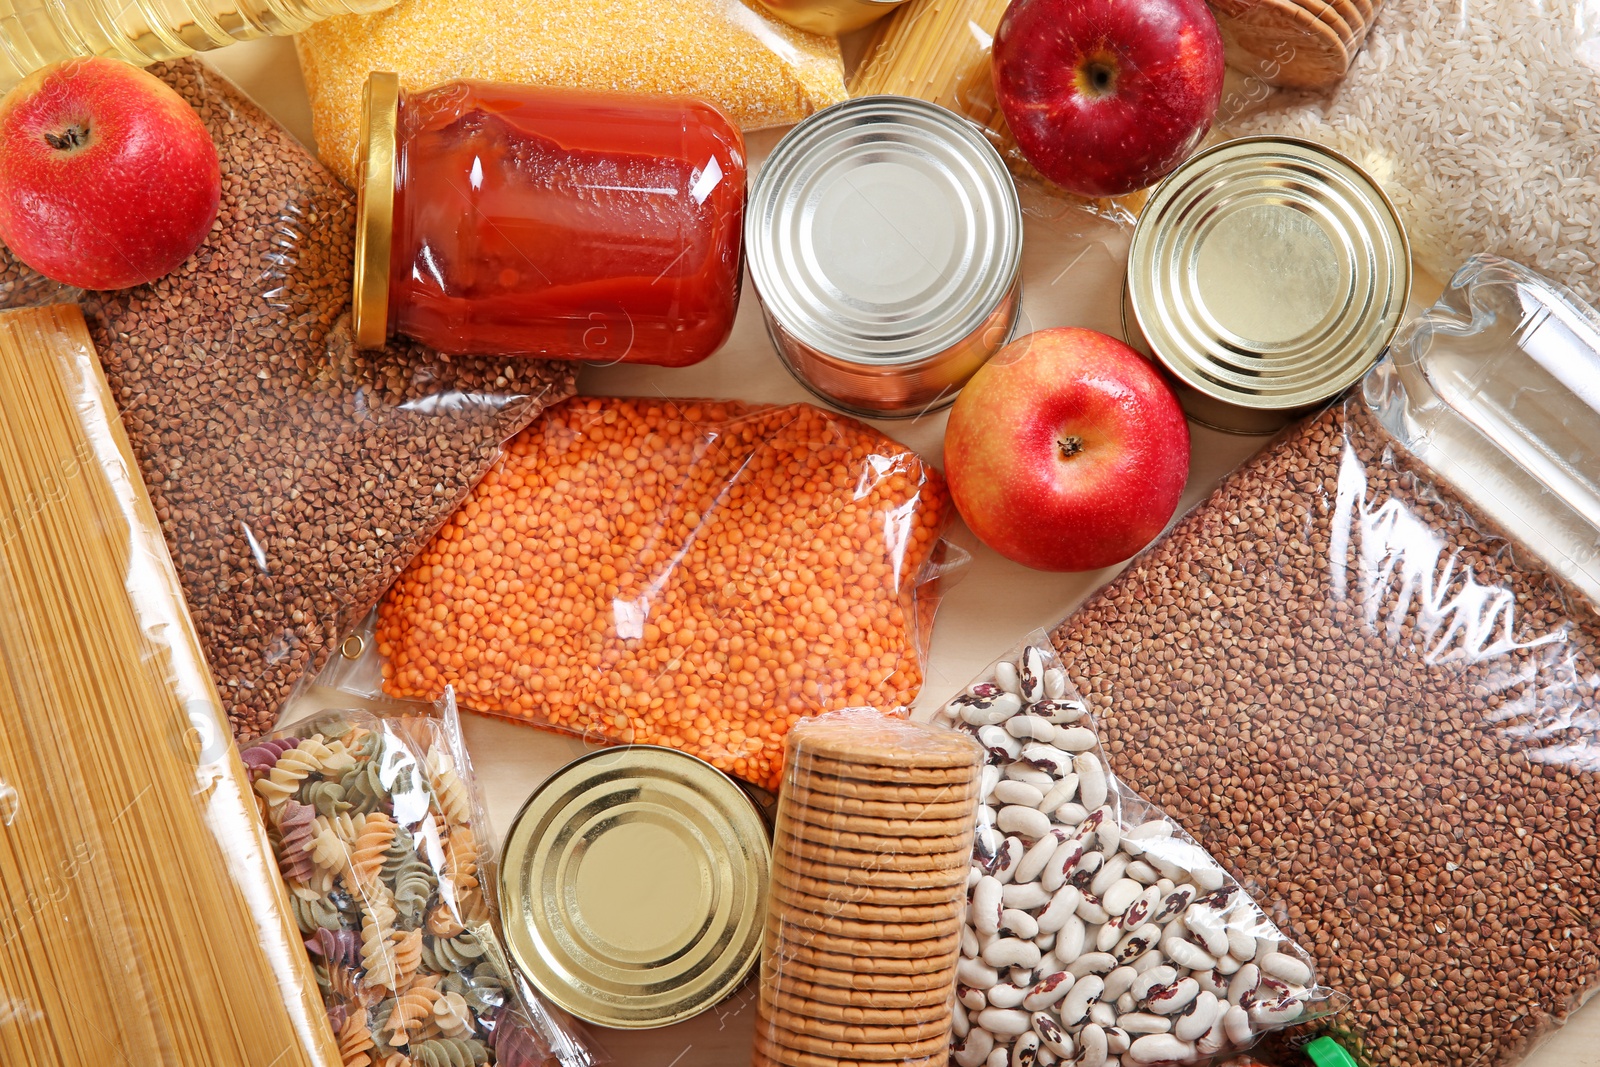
x=633 y=886
x=1267 y=275
x=884 y=237
x=830 y=17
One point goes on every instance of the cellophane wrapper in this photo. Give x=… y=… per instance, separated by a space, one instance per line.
x=384 y=845
x=1363 y=674
x=294 y=475
x=1120 y=880
x=692 y=573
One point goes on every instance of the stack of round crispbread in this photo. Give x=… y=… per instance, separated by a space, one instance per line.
x=1297 y=44
x=870 y=858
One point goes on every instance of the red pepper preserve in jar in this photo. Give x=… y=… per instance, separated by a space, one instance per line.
x=514 y=220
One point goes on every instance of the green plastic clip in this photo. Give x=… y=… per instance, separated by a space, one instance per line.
x=1326 y=1052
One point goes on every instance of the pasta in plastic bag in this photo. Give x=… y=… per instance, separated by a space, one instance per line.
x=382 y=842
x=1131 y=938
x=1364 y=675
x=692 y=573
x=143 y=922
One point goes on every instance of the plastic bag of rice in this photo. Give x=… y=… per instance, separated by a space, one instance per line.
x=1481 y=119
x=763 y=72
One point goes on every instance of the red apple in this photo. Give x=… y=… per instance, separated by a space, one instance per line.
x=1067 y=451
x=107 y=177
x=1108 y=96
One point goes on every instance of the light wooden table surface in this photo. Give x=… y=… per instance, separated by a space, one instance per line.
x=1069 y=279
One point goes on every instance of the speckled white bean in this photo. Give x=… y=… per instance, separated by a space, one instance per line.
x=1214 y=1039
x=1275 y=1013
x=1208 y=879
x=1025 y=1050
x=1092 y=1050
x=1039 y=853
x=1206 y=928
x=1227 y=965
x=1142 y=872
x=1287 y=967
x=1104 y=1014
x=960 y=1025
x=1026 y=895
x=1144 y=1022
x=1091 y=779
x=1030 y=673
x=1071 y=814
x=1071 y=939
x=974 y=1049
x=1109 y=933
x=1055 y=683
x=1027 y=823
x=1170 y=1000
x=1244 y=983
x=1051 y=1036
x=1048 y=991
x=1137 y=942
x=1063 y=903
x=1236 y=1024
x=1193 y=1025
x=1091 y=911
x=1092 y=963
x=1110 y=871
x=988 y=778
x=1162 y=975
x=1241 y=946
x=1058 y=794
x=1149 y=961
x=986 y=815
x=1059 y=709
x=1005 y=676
x=1000 y=744
x=999 y=1056
x=1011 y=791
x=1213 y=982
x=1159 y=1048
x=1021 y=977
x=1005 y=995
x=1021 y=772
x=969 y=942
x=1011 y=952
x=985 y=911
x=1074 y=1008
x=1118 y=982
x=1006 y=859
x=976 y=974
x=1135 y=840
x=973 y=874
x=1187 y=954
x=1046 y=942
x=1049 y=758
x=971 y=997
x=1118 y=1041
x=1004 y=1022
x=1122 y=893
x=1072 y=738
x=1063 y=860
x=1018 y=923
x=1109 y=831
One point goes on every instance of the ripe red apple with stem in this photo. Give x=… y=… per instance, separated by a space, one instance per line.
x=1108 y=96
x=1067 y=451
x=108 y=178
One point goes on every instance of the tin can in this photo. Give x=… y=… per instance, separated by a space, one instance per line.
x=633 y=886
x=1266 y=275
x=830 y=17
x=884 y=237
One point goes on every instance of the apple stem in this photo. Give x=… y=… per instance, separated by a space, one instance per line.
x=74 y=136
x=1070 y=445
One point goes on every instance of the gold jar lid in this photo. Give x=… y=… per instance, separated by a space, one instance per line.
x=633 y=887
x=375 y=170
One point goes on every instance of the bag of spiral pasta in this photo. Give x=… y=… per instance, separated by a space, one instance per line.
x=381 y=840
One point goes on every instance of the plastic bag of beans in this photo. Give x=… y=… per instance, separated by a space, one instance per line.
x=384 y=846
x=699 y=574
x=294 y=475
x=1364 y=675
x=1095 y=925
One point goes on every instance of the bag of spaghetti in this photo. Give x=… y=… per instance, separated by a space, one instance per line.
x=382 y=841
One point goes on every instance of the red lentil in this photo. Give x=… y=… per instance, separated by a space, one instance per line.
x=688 y=573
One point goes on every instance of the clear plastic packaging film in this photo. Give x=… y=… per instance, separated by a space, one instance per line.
x=37 y=33
x=1095 y=925
x=691 y=573
x=1479 y=120
x=870 y=855
x=733 y=53
x=144 y=922
x=1370 y=703
x=384 y=848
x=293 y=475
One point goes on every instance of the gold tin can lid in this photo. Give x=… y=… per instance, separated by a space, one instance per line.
x=1268 y=274
x=375 y=170
x=633 y=887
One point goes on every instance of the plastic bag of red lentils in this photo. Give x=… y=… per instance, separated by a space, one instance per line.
x=697 y=574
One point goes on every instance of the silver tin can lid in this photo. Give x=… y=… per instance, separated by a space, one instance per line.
x=1268 y=273
x=883 y=230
